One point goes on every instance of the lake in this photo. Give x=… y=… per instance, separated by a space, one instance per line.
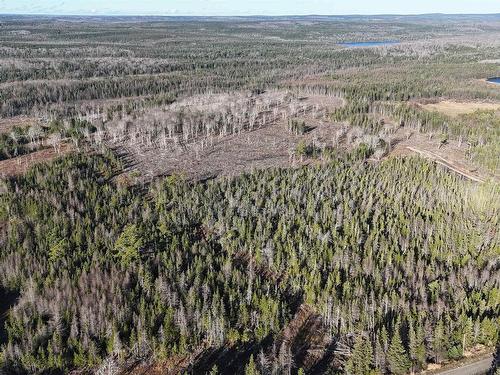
x=368 y=44
x=494 y=80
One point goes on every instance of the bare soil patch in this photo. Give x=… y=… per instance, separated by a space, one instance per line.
x=262 y=148
x=7 y=124
x=453 y=109
x=269 y=145
x=19 y=165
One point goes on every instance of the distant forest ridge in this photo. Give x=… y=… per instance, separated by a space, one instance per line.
x=253 y=18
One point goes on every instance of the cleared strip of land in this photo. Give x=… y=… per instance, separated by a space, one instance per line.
x=438 y=159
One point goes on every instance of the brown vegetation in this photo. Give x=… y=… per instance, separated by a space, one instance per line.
x=19 y=165
x=453 y=108
x=264 y=140
x=7 y=124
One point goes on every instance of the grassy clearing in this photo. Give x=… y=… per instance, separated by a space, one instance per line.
x=454 y=109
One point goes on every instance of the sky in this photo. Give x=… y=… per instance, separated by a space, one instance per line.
x=242 y=7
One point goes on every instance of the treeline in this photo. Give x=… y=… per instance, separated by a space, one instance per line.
x=80 y=63
x=399 y=259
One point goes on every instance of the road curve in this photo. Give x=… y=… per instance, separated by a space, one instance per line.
x=477 y=368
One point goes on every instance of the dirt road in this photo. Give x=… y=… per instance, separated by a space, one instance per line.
x=477 y=368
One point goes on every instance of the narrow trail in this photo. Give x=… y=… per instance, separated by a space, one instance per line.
x=440 y=160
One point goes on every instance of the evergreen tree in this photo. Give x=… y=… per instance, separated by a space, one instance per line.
x=251 y=367
x=361 y=360
x=381 y=348
x=416 y=347
x=467 y=332
x=399 y=363
x=439 y=342
x=129 y=243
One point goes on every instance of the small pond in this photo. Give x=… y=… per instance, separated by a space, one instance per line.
x=369 y=44
x=494 y=80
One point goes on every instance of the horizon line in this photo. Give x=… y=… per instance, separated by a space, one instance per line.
x=244 y=15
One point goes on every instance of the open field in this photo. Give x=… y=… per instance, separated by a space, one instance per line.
x=451 y=108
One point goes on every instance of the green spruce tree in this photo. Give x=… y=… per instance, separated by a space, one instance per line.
x=398 y=360
x=439 y=342
x=251 y=367
x=361 y=360
x=416 y=347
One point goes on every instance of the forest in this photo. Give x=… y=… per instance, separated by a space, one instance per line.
x=248 y=196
